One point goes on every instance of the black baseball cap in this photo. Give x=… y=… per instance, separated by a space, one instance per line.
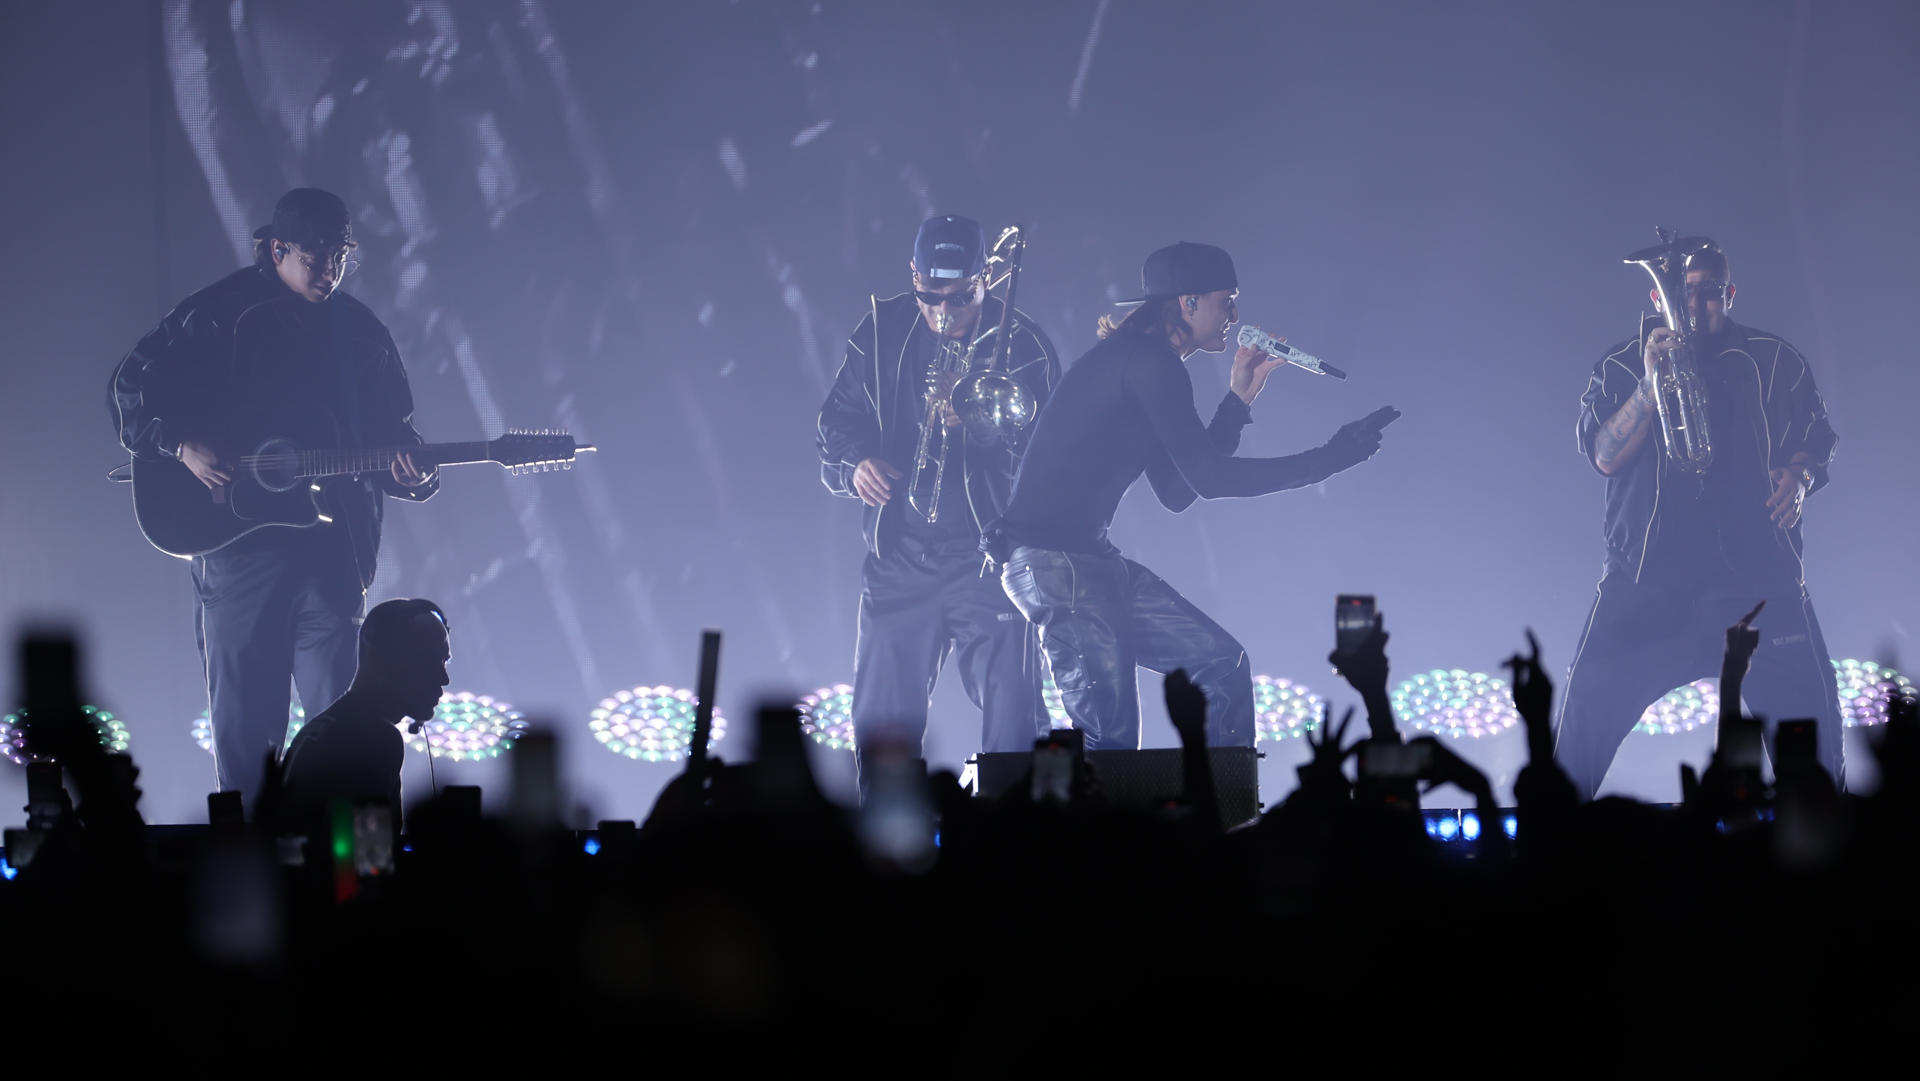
x=310 y=218
x=1185 y=269
x=949 y=248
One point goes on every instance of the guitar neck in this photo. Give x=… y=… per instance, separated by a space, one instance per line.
x=339 y=461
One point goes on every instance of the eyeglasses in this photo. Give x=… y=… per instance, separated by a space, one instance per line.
x=933 y=300
x=341 y=261
x=1707 y=290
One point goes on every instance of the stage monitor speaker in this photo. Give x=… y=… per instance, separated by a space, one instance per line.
x=1141 y=778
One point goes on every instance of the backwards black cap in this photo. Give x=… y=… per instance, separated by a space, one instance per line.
x=310 y=218
x=1185 y=269
x=949 y=248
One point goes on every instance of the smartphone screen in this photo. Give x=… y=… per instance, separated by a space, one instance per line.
x=1352 y=620
x=1052 y=774
x=372 y=838
x=1393 y=761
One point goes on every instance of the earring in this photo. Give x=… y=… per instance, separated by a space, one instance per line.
x=1193 y=304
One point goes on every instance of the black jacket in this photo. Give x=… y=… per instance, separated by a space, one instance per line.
x=857 y=419
x=1788 y=418
x=246 y=349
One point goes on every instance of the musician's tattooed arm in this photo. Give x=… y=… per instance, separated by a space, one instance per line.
x=1623 y=433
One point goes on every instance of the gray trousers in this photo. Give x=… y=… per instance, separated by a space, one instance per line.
x=278 y=609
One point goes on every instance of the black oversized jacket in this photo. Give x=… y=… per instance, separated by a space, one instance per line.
x=1790 y=419
x=333 y=363
x=857 y=420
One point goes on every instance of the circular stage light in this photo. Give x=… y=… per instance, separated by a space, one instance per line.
x=1283 y=709
x=1682 y=709
x=13 y=737
x=1455 y=703
x=202 y=728
x=1866 y=689
x=652 y=724
x=467 y=727
x=827 y=716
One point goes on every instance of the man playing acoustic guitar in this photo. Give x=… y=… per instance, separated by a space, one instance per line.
x=275 y=349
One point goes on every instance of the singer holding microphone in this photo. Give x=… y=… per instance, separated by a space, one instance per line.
x=1123 y=409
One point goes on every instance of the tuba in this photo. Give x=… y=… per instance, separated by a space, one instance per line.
x=1679 y=393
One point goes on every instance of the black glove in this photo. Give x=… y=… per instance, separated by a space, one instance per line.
x=1358 y=440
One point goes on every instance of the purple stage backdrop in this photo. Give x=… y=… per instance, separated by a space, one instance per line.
x=654 y=224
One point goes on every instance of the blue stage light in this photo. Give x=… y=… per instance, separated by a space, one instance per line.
x=592 y=847
x=1469 y=825
x=1511 y=825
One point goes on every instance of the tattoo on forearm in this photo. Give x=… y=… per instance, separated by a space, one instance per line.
x=1621 y=435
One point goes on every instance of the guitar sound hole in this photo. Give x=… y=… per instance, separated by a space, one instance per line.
x=275 y=466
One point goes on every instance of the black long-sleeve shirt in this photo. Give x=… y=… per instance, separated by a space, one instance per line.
x=1123 y=409
x=246 y=349
x=1763 y=410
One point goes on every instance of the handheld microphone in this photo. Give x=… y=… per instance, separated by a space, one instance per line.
x=1259 y=339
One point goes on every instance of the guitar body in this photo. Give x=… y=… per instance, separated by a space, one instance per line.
x=183 y=517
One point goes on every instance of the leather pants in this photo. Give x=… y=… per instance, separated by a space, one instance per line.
x=1099 y=617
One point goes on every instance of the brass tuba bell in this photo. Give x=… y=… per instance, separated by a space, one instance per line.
x=1679 y=392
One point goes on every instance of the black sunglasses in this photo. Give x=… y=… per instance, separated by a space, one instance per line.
x=933 y=300
x=1707 y=290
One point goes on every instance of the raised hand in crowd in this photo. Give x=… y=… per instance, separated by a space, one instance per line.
x=1365 y=669
x=1323 y=780
x=1542 y=785
x=686 y=796
x=1445 y=767
x=1187 y=707
x=1742 y=640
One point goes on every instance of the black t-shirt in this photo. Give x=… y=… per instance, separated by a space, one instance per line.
x=1123 y=409
x=344 y=753
x=1665 y=525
